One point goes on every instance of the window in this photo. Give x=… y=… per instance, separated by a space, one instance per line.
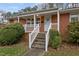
x=37 y=21
x=74 y=18
x=28 y=21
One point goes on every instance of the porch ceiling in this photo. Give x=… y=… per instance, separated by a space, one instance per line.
x=46 y=14
x=38 y=15
x=25 y=17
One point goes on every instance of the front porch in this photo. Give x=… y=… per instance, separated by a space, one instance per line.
x=43 y=20
x=41 y=23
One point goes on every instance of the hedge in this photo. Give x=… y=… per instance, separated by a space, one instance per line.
x=73 y=30
x=54 y=38
x=18 y=27
x=7 y=36
x=11 y=34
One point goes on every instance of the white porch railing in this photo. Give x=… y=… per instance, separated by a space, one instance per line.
x=24 y=27
x=54 y=26
x=28 y=27
x=33 y=35
x=47 y=37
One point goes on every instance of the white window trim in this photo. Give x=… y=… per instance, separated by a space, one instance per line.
x=73 y=16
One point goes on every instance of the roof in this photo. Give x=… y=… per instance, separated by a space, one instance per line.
x=45 y=10
x=32 y=12
x=70 y=10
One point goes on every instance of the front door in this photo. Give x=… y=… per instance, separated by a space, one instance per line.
x=47 y=23
x=42 y=18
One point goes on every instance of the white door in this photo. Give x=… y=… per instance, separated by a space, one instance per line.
x=47 y=22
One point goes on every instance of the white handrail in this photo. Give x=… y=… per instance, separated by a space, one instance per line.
x=33 y=35
x=47 y=37
x=27 y=27
x=54 y=26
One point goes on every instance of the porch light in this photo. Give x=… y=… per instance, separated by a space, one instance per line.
x=37 y=15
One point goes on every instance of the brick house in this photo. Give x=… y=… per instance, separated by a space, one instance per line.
x=46 y=19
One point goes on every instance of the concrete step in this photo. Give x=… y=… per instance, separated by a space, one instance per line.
x=38 y=46
x=40 y=43
x=40 y=40
x=42 y=32
x=41 y=36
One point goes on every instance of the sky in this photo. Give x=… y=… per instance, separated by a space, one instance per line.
x=14 y=7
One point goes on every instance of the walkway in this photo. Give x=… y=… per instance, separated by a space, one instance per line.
x=35 y=52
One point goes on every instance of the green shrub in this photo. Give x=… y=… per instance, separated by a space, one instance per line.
x=18 y=27
x=7 y=36
x=54 y=38
x=73 y=32
x=11 y=34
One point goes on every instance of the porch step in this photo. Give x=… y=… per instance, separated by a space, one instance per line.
x=39 y=42
x=40 y=36
x=38 y=46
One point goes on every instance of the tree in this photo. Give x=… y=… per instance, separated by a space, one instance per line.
x=27 y=9
x=34 y=8
x=14 y=13
x=8 y=14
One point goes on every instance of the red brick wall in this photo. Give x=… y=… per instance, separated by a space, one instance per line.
x=64 y=21
x=22 y=21
x=12 y=20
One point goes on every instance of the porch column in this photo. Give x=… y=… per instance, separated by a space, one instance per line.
x=58 y=20
x=34 y=21
x=18 y=19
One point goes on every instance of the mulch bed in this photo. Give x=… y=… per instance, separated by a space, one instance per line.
x=65 y=46
x=2 y=25
x=25 y=39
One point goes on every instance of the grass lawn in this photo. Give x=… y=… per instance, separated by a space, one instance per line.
x=64 y=50
x=16 y=49
x=13 y=50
